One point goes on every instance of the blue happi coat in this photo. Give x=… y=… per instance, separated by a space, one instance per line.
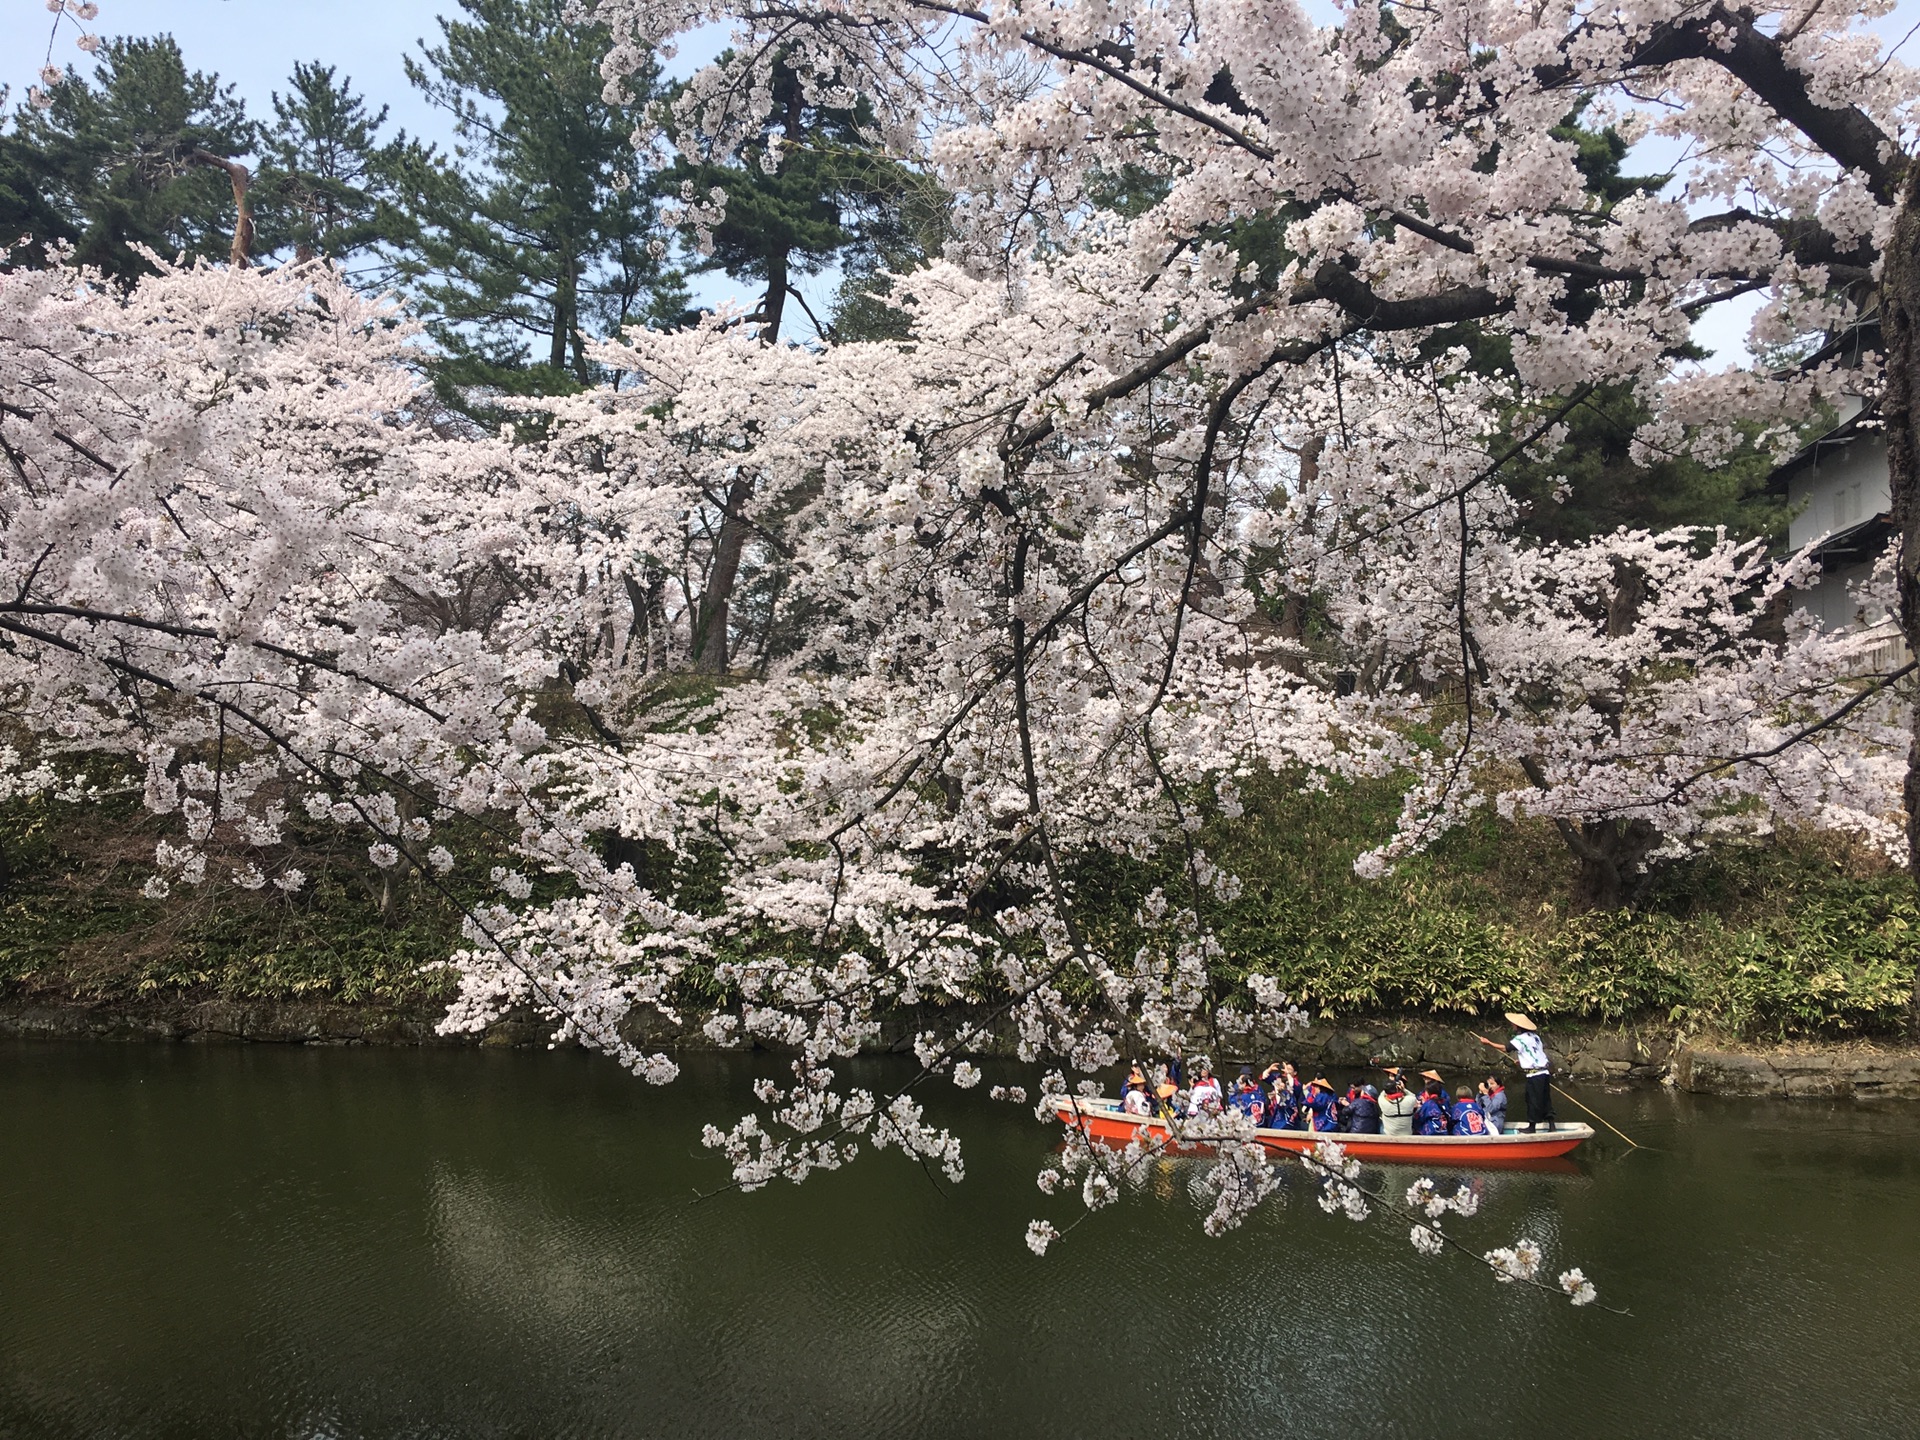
x=1470 y=1119
x=1326 y=1113
x=1430 y=1118
x=1284 y=1113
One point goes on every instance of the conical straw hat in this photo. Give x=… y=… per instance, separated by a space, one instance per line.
x=1514 y=1017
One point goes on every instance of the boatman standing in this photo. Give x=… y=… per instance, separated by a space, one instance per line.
x=1530 y=1054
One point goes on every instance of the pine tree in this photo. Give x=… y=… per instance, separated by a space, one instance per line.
x=327 y=183
x=830 y=201
x=140 y=156
x=532 y=238
x=28 y=218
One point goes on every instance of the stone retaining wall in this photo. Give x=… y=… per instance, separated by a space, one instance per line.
x=1621 y=1055
x=186 y=1021
x=1849 y=1073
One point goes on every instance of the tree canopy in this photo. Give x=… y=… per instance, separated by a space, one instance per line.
x=1313 y=402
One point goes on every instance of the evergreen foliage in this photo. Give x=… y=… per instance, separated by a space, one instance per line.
x=533 y=238
x=1804 y=936
x=811 y=194
x=1593 y=485
x=117 y=162
x=328 y=184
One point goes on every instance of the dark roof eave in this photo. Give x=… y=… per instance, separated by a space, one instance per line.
x=1856 y=542
x=1844 y=433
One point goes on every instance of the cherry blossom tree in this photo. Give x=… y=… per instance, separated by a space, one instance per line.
x=1026 y=570
x=1153 y=373
x=1412 y=158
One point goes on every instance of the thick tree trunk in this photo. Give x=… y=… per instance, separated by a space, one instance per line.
x=649 y=622
x=240 y=252
x=1900 y=407
x=563 y=312
x=1612 y=856
x=716 y=601
x=713 y=620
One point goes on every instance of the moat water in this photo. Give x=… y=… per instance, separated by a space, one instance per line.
x=211 y=1241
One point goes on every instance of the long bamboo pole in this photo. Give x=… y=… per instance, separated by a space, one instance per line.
x=1563 y=1094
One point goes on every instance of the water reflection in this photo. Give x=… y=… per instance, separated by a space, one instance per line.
x=502 y=1250
x=368 y=1244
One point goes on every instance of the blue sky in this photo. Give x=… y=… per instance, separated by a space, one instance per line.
x=254 y=44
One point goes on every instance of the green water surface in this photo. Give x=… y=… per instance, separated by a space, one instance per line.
x=367 y=1243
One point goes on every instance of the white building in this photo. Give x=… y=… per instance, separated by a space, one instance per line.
x=1838 y=487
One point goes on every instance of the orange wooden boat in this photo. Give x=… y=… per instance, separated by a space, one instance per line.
x=1104 y=1120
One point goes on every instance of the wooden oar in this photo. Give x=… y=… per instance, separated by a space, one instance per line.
x=1563 y=1095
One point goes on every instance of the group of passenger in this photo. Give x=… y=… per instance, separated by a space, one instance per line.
x=1277 y=1099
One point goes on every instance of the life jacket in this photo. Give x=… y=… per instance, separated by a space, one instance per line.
x=1430 y=1118
x=1469 y=1118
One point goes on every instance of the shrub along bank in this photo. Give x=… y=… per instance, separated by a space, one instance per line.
x=1800 y=936
x=74 y=925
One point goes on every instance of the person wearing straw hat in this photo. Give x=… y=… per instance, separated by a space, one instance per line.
x=1530 y=1053
x=1324 y=1112
x=1286 y=1097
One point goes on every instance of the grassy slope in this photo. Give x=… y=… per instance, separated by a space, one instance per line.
x=1805 y=935
x=73 y=922
x=1802 y=935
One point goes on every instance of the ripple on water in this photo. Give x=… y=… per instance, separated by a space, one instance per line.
x=373 y=1244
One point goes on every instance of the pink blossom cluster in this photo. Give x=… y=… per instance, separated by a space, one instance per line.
x=1023 y=585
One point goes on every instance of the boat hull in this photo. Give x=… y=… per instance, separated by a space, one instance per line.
x=1103 y=1120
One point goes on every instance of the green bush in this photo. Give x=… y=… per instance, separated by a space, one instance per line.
x=73 y=922
x=1799 y=936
